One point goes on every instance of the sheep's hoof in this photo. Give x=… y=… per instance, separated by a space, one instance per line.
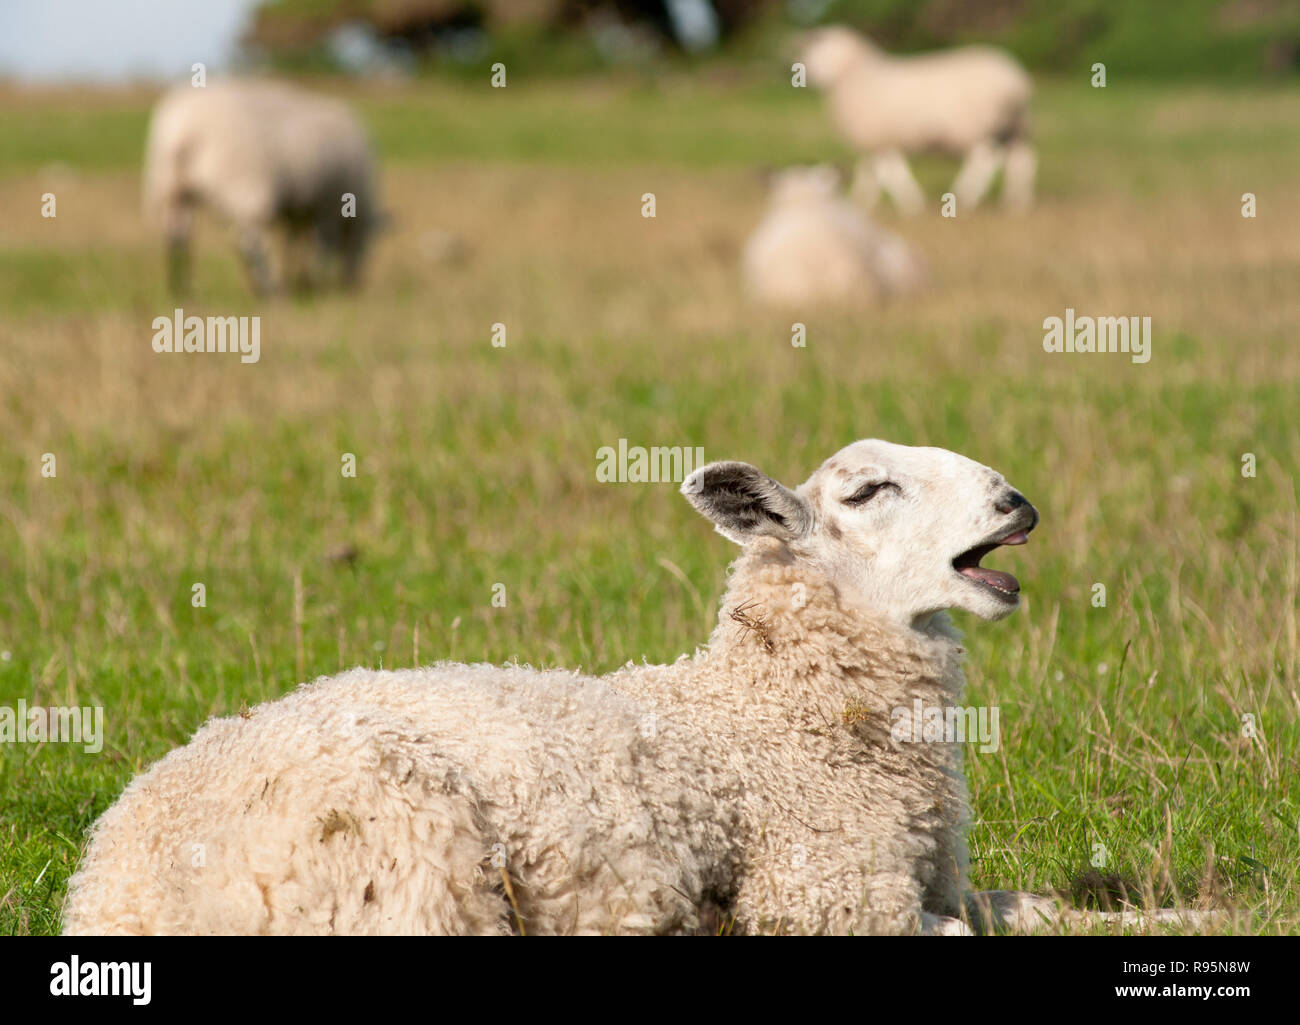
x=942 y=925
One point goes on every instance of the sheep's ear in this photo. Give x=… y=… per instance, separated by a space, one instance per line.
x=744 y=503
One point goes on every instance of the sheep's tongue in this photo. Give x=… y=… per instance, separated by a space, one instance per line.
x=995 y=578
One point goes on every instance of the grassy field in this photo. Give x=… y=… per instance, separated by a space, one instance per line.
x=1122 y=725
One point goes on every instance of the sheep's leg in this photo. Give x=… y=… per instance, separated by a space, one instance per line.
x=253 y=249
x=299 y=255
x=1023 y=913
x=993 y=911
x=942 y=925
x=350 y=266
x=177 y=223
x=1179 y=918
x=865 y=188
x=976 y=174
x=178 y=264
x=351 y=249
x=895 y=177
x=1018 y=180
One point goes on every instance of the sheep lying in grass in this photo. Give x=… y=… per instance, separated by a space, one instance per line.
x=972 y=102
x=757 y=783
x=261 y=154
x=401 y=802
x=814 y=246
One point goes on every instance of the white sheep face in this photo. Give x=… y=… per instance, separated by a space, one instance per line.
x=799 y=186
x=830 y=53
x=900 y=530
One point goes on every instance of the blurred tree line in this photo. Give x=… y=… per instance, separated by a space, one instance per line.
x=1138 y=38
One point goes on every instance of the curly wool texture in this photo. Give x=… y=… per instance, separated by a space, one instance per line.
x=374 y=802
x=843 y=829
x=758 y=775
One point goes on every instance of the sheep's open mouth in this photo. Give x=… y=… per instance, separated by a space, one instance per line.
x=1002 y=584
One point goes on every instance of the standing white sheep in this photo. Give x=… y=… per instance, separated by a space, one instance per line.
x=261 y=154
x=972 y=102
x=759 y=780
x=814 y=246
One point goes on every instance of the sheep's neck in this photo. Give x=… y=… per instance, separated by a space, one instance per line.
x=782 y=624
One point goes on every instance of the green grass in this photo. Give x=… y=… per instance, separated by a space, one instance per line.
x=1121 y=725
x=1132 y=132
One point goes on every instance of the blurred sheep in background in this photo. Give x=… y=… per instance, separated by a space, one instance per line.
x=972 y=101
x=814 y=246
x=262 y=154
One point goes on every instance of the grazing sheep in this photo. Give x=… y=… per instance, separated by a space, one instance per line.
x=758 y=782
x=261 y=154
x=814 y=246
x=972 y=102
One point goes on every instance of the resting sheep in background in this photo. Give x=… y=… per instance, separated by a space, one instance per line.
x=972 y=102
x=813 y=246
x=758 y=782
x=261 y=154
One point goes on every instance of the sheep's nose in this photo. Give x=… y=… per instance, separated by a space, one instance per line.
x=1010 y=502
x=1014 y=500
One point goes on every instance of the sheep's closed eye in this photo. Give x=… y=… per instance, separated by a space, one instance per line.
x=869 y=491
